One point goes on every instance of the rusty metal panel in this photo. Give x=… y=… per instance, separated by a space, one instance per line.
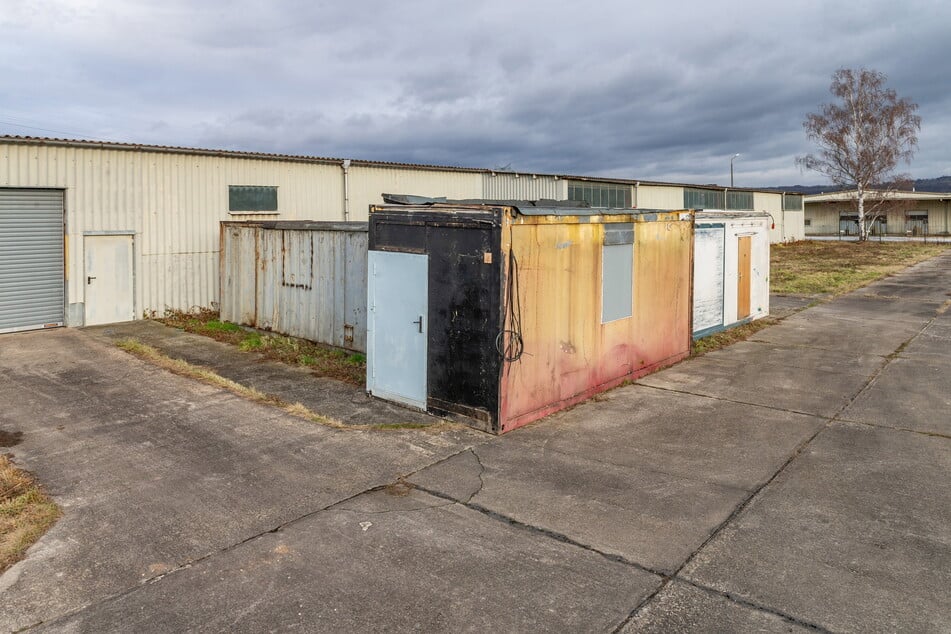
x=237 y=269
x=304 y=280
x=569 y=354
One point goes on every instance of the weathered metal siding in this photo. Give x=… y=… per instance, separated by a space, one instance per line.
x=659 y=197
x=367 y=184
x=509 y=186
x=568 y=353
x=173 y=203
x=308 y=283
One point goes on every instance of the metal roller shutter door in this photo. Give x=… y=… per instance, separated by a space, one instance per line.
x=31 y=259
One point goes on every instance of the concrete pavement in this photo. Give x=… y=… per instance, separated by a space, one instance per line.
x=794 y=482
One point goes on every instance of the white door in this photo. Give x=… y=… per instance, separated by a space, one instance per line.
x=108 y=279
x=397 y=299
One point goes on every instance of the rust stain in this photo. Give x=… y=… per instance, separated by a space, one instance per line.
x=569 y=354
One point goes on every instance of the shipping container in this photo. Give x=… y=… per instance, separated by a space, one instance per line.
x=304 y=279
x=503 y=313
x=731 y=269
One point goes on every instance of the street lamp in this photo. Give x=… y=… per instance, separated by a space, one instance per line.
x=733 y=158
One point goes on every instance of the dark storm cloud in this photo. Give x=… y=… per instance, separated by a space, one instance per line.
x=650 y=90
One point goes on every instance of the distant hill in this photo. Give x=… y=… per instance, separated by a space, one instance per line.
x=940 y=184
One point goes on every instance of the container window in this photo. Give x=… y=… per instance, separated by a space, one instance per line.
x=617 y=282
x=243 y=198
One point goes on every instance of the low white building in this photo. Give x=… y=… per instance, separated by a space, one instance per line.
x=903 y=214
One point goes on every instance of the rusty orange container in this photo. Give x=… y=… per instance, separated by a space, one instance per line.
x=534 y=308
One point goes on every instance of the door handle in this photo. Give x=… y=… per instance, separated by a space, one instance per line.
x=90 y=278
x=419 y=323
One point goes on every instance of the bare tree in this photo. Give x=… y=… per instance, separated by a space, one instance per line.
x=862 y=138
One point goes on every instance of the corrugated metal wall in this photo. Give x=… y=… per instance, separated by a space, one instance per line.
x=173 y=203
x=309 y=283
x=509 y=186
x=367 y=184
x=659 y=197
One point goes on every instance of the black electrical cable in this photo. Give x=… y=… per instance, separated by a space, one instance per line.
x=509 y=342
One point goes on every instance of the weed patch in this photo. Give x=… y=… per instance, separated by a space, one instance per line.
x=183 y=368
x=730 y=336
x=320 y=359
x=26 y=512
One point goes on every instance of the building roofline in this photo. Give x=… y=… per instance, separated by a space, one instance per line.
x=326 y=160
x=849 y=194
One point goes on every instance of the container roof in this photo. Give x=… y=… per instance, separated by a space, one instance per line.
x=543 y=207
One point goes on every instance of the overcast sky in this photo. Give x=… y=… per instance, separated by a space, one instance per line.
x=645 y=90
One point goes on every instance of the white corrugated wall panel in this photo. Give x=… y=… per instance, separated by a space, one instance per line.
x=508 y=186
x=659 y=197
x=172 y=202
x=367 y=184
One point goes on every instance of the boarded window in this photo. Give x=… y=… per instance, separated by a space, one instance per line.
x=695 y=198
x=252 y=198
x=617 y=272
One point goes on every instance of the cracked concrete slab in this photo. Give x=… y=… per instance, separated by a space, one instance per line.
x=395 y=561
x=855 y=535
x=155 y=470
x=619 y=510
x=806 y=380
x=878 y=309
x=847 y=337
x=913 y=392
x=689 y=436
x=681 y=607
x=346 y=403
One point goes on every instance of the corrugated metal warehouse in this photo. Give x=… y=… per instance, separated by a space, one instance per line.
x=140 y=224
x=504 y=314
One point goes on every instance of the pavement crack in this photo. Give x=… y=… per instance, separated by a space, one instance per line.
x=730 y=400
x=481 y=474
x=733 y=598
x=756 y=492
x=559 y=537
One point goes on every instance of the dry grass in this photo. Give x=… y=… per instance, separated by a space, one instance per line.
x=26 y=512
x=321 y=360
x=833 y=267
x=730 y=336
x=183 y=368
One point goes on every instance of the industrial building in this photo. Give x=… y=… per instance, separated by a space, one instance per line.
x=98 y=232
x=916 y=214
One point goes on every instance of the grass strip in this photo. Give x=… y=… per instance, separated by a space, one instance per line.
x=319 y=359
x=26 y=512
x=183 y=368
x=830 y=267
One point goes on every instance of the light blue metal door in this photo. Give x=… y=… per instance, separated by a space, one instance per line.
x=397 y=292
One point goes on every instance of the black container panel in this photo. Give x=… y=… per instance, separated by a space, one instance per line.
x=465 y=314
